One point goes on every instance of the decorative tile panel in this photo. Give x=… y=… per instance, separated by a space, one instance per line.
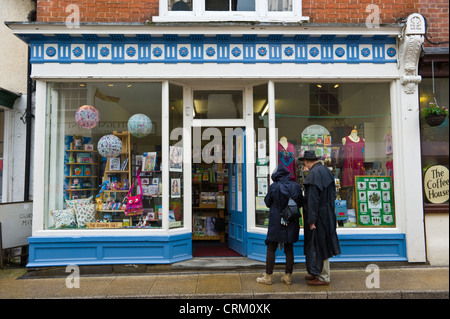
x=173 y=48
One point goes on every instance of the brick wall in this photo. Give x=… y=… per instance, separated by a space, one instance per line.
x=354 y=11
x=98 y=10
x=320 y=11
x=436 y=15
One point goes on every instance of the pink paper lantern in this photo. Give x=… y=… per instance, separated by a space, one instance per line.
x=87 y=116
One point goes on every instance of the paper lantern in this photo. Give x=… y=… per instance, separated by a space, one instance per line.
x=87 y=116
x=140 y=125
x=109 y=146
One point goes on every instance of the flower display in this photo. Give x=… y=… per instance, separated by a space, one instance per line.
x=434 y=109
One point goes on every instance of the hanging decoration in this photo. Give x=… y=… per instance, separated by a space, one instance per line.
x=109 y=146
x=87 y=116
x=140 y=125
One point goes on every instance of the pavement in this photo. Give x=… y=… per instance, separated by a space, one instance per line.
x=224 y=278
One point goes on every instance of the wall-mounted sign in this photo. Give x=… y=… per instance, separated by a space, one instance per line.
x=436 y=184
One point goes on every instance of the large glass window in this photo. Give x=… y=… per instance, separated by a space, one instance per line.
x=100 y=137
x=349 y=126
x=176 y=156
x=435 y=150
x=221 y=104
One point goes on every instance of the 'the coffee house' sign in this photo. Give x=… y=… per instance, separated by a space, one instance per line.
x=436 y=184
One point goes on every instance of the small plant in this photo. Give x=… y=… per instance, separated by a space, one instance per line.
x=434 y=109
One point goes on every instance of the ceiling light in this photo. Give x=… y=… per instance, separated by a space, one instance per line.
x=319 y=85
x=336 y=86
x=265 y=109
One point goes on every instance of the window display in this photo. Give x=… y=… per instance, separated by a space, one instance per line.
x=349 y=126
x=103 y=141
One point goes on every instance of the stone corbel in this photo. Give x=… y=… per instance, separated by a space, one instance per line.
x=411 y=42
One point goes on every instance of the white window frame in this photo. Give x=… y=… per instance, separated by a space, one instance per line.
x=199 y=14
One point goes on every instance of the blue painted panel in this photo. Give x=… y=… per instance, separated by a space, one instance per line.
x=356 y=247
x=62 y=251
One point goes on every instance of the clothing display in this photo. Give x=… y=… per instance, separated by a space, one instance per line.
x=286 y=157
x=388 y=140
x=353 y=160
x=390 y=169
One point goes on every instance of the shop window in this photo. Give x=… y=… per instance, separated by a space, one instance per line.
x=176 y=156
x=218 y=104
x=435 y=150
x=99 y=136
x=349 y=126
x=261 y=126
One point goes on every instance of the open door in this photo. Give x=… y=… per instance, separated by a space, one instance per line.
x=237 y=224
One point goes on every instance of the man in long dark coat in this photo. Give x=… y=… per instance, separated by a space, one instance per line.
x=321 y=241
x=276 y=199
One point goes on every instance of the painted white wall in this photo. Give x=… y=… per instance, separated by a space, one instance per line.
x=13 y=66
x=437 y=230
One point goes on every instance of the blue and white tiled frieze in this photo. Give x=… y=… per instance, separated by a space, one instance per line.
x=218 y=49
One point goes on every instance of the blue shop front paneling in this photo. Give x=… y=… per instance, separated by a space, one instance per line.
x=354 y=248
x=98 y=250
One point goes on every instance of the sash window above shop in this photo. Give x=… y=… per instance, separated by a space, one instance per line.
x=230 y=10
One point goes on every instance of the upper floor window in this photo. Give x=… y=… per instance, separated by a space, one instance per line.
x=230 y=10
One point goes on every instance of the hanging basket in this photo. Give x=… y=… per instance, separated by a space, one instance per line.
x=435 y=120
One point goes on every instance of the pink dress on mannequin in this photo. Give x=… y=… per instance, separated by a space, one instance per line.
x=353 y=161
x=286 y=156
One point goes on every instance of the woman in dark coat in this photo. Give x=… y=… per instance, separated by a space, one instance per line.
x=321 y=241
x=276 y=199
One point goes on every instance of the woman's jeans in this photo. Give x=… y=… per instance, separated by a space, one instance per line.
x=270 y=257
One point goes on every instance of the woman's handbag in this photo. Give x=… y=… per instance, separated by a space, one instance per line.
x=134 y=204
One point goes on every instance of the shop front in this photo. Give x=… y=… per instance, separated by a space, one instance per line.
x=195 y=119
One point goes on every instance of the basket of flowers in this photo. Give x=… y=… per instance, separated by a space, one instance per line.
x=434 y=114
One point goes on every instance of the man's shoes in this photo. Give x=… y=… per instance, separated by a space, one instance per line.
x=286 y=279
x=265 y=279
x=317 y=282
x=310 y=277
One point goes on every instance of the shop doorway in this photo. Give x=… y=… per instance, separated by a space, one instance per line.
x=218 y=192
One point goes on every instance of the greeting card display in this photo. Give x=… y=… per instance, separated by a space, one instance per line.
x=374 y=199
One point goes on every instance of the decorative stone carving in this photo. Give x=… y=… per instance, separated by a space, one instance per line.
x=411 y=42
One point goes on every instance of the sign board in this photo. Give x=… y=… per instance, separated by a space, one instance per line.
x=16 y=220
x=436 y=184
x=374 y=201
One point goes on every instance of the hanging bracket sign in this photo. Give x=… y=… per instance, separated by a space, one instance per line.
x=436 y=184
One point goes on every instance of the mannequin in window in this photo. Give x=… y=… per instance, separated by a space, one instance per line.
x=286 y=156
x=353 y=158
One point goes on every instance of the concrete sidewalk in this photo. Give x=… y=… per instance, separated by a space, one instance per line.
x=395 y=282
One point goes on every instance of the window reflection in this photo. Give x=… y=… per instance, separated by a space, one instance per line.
x=230 y=5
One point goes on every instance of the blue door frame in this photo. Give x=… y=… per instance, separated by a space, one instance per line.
x=237 y=188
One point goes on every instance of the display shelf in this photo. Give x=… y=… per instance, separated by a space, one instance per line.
x=77 y=169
